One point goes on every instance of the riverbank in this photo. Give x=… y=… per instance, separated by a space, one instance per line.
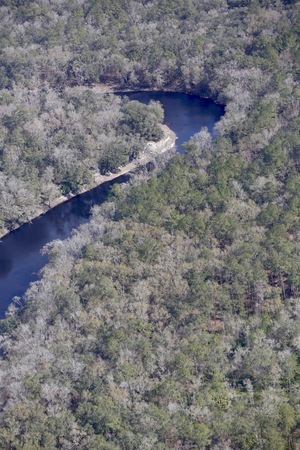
x=152 y=150
x=115 y=88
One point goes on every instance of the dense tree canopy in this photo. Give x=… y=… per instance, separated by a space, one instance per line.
x=171 y=320
x=53 y=143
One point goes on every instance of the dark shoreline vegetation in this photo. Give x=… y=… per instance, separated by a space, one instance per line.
x=145 y=126
x=20 y=257
x=171 y=320
x=55 y=144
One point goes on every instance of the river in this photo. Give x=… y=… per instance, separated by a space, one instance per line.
x=20 y=251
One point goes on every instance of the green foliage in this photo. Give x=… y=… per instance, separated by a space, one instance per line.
x=172 y=322
x=142 y=120
x=262 y=117
x=264 y=48
x=275 y=159
x=53 y=143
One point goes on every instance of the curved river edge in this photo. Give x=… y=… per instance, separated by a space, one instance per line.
x=123 y=88
x=152 y=150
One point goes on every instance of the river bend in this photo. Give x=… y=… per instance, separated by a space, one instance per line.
x=20 y=251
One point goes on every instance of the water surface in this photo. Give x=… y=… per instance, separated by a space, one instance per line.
x=185 y=114
x=20 y=251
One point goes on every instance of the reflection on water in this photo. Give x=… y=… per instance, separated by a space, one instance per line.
x=5 y=265
x=20 y=257
x=184 y=114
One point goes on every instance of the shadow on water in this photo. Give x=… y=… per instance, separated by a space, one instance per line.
x=20 y=251
x=185 y=114
x=20 y=256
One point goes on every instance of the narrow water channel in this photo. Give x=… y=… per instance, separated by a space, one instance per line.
x=20 y=251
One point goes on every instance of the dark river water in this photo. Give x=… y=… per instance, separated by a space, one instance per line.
x=20 y=251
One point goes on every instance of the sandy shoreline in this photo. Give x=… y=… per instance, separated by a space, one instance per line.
x=152 y=150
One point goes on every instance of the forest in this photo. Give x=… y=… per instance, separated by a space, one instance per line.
x=171 y=320
x=54 y=143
